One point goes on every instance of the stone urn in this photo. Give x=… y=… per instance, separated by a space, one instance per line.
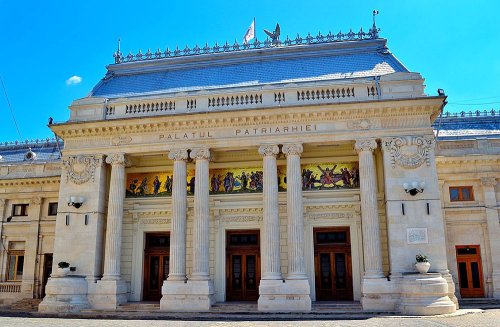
x=63 y=269
x=423 y=267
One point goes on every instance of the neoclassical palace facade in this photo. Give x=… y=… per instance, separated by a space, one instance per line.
x=283 y=173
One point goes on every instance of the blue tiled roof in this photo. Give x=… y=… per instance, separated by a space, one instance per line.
x=468 y=126
x=45 y=151
x=255 y=70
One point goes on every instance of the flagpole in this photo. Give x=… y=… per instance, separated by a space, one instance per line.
x=254 y=29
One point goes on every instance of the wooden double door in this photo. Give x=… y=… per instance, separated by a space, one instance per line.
x=332 y=264
x=242 y=265
x=156 y=264
x=470 y=272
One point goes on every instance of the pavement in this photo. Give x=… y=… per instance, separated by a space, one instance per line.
x=462 y=318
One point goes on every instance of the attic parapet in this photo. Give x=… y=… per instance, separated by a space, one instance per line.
x=406 y=85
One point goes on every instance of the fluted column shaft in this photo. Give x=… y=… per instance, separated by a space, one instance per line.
x=369 y=208
x=178 y=228
x=112 y=254
x=295 y=210
x=271 y=265
x=201 y=215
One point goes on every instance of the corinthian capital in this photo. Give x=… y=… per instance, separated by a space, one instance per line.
x=269 y=150
x=117 y=159
x=200 y=153
x=178 y=154
x=488 y=181
x=365 y=145
x=292 y=149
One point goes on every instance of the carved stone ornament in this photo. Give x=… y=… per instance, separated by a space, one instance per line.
x=119 y=140
x=359 y=124
x=292 y=149
x=365 y=145
x=178 y=154
x=200 y=153
x=81 y=169
x=36 y=200
x=269 y=150
x=489 y=181
x=2 y=202
x=409 y=152
x=117 y=159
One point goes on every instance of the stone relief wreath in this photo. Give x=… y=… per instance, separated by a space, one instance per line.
x=80 y=169
x=409 y=152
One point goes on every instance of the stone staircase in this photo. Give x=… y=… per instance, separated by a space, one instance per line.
x=479 y=303
x=26 y=305
x=139 y=307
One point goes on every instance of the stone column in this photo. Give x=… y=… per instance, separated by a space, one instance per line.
x=369 y=209
x=112 y=255
x=295 y=210
x=178 y=230
x=270 y=234
x=493 y=224
x=201 y=215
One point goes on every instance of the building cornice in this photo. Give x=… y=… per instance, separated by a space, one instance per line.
x=30 y=181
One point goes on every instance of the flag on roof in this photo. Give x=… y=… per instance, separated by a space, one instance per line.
x=250 y=34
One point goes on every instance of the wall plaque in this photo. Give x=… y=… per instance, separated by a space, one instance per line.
x=416 y=236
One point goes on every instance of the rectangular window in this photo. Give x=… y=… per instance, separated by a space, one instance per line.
x=52 y=209
x=15 y=266
x=461 y=193
x=20 y=209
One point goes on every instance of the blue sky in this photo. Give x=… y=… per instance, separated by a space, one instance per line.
x=455 y=45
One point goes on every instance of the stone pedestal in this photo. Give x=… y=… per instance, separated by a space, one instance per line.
x=65 y=294
x=107 y=294
x=424 y=295
x=190 y=296
x=284 y=296
x=379 y=294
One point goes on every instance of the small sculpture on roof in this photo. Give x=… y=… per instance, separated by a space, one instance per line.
x=275 y=35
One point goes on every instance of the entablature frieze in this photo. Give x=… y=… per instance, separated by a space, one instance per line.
x=30 y=181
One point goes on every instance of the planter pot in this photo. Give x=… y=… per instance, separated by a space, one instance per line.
x=423 y=267
x=62 y=272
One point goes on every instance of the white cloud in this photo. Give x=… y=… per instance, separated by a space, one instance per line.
x=73 y=80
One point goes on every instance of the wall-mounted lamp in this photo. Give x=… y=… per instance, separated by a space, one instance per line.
x=75 y=201
x=414 y=187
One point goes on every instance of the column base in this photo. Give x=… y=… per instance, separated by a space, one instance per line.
x=192 y=296
x=65 y=295
x=293 y=295
x=495 y=279
x=379 y=294
x=108 y=294
x=425 y=294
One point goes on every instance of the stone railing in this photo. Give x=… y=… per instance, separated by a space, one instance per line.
x=232 y=101
x=325 y=94
x=10 y=288
x=470 y=113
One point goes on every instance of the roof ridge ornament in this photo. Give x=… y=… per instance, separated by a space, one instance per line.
x=273 y=40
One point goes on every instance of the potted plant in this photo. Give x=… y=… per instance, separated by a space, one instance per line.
x=63 y=268
x=422 y=264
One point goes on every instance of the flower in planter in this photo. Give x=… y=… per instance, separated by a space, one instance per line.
x=421 y=258
x=63 y=264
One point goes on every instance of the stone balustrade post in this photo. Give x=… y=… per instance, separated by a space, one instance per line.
x=271 y=265
x=295 y=210
x=201 y=215
x=369 y=208
x=179 y=206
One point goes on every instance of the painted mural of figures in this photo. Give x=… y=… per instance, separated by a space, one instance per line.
x=156 y=185
x=355 y=177
x=260 y=181
x=133 y=186
x=215 y=183
x=308 y=179
x=191 y=184
x=346 y=176
x=143 y=188
x=168 y=184
x=229 y=182
x=327 y=177
x=244 y=180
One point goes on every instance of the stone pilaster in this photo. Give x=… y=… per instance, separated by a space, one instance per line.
x=179 y=204
x=111 y=290
x=493 y=224
x=271 y=265
x=369 y=209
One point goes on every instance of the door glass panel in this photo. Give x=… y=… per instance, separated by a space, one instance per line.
x=166 y=266
x=462 y=272
x=251 y=283
x=474 y=267
x=236 y=268
x=154 y=267
x=340 y=271
x=466 y=251
x=324 y=262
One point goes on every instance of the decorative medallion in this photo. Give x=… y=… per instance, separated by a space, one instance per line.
x=488 y=181
x=119 y=140
x=409 y=152
x=81 y=169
